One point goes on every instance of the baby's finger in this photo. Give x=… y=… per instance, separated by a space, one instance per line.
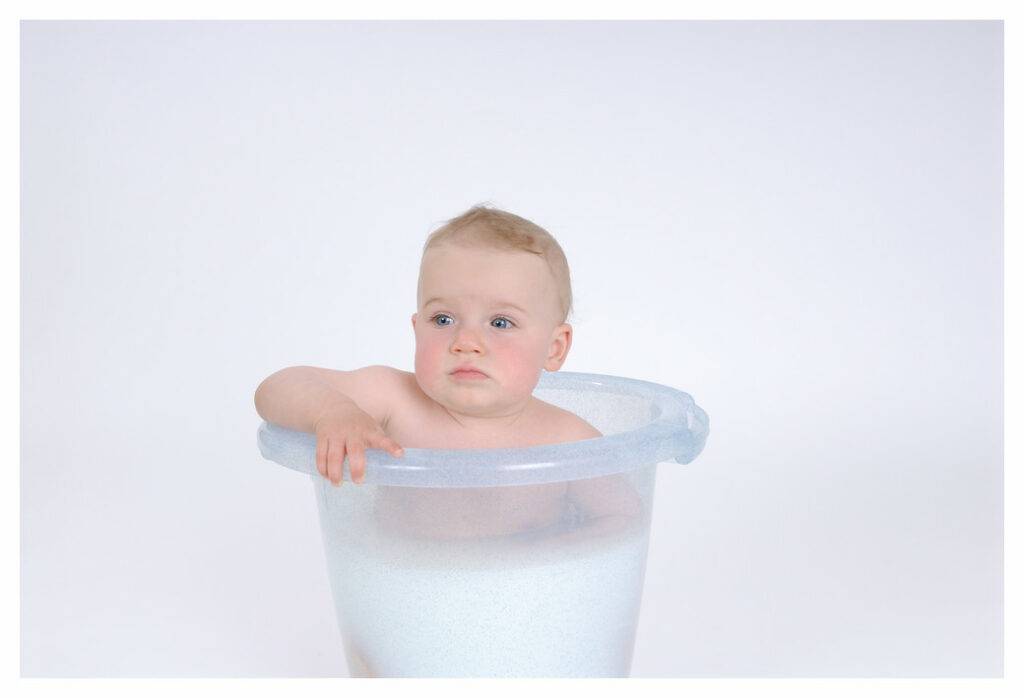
x=321 y=456
x=335 y=454
x=357 y=462
x=388 y=444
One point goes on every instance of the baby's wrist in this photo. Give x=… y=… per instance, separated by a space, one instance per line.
x=335 y=408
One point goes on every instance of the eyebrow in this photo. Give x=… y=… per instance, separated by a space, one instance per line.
x=499 y=304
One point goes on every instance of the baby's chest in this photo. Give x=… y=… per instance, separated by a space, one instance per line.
x=465 y=512
x=413 y=428
x=472 y=512
x=419 y=427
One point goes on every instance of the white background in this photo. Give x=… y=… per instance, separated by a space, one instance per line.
x=798 y=223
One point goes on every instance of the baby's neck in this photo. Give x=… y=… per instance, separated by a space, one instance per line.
x=494 y=426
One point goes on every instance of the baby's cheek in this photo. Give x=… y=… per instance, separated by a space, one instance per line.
x=521 y=372
x=428 y=357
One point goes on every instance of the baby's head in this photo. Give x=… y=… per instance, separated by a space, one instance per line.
x=494 y=293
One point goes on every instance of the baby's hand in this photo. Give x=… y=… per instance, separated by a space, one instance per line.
x=346 y=429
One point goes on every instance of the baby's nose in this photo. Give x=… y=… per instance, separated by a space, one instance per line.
x=466 y=341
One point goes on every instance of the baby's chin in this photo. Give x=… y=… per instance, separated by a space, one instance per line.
x=478 y=405
x=483 y=399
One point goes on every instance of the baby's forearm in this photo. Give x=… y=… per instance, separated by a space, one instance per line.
x=296 y=398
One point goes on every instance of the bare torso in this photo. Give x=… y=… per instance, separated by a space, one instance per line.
x=416 y=421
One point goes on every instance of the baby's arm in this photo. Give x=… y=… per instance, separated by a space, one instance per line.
x=610 y=498
x=347 y=410
x=603 y=505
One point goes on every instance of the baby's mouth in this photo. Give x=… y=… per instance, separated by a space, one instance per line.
x=468 y=372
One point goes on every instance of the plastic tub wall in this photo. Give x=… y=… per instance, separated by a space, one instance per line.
x=542 y=578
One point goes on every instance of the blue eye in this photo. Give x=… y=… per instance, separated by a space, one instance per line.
x=438 y=316
x=508 y=323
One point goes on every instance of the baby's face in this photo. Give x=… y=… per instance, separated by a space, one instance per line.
x=494 y=310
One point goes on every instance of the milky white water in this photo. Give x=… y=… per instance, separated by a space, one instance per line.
x=519 y=605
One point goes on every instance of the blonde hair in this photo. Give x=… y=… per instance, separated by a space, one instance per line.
x=491 y=227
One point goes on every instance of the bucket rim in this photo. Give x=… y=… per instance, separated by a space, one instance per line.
x=677 y=431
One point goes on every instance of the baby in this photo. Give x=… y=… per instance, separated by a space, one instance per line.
x=493 y=298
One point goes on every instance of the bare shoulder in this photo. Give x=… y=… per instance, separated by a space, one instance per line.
x=410 y=396
x=568 y=425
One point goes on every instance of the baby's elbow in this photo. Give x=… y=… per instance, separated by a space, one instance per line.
x=259 y=398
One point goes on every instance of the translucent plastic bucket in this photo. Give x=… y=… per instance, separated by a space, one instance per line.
x=521 y=562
